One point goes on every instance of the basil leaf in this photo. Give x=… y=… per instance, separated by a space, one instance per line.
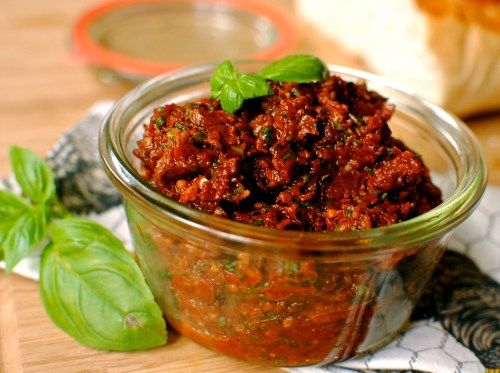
x=299 y=68
x=95 y=292
x=11 y=207
x=20 y=236
x=225 y=74
x=231 y=87
x=252 y=86
x=32 y=174
x=231 y=98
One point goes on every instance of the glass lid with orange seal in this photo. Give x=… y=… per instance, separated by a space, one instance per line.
x=138 y=39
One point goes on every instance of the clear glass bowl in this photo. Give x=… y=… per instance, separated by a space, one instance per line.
x=284 y=297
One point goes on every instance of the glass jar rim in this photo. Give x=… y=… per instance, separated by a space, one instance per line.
x=91 y=51
x=434 y=223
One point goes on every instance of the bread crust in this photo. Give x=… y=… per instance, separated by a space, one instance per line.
x=485 y=13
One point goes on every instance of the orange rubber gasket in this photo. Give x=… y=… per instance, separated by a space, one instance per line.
x=92 y=53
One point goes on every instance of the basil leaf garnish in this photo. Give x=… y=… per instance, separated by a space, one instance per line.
x=231 y=87
x=90 y=285
x=32 y=174
x=11 y=207
x=253 y=86
x=25 y=230
x=299 y=68
x=93 y=289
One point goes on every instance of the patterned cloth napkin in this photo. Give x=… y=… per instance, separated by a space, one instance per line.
x=454 y=328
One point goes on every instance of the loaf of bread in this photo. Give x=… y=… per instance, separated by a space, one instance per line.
x=447 y=51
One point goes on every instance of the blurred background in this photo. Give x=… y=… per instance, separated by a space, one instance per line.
x=60 y=57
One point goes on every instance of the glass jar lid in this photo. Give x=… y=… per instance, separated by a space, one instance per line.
x=137 y=39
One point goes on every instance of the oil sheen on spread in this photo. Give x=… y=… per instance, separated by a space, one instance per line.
x=311 y=157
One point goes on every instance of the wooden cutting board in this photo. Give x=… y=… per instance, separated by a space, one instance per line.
x=30 y=342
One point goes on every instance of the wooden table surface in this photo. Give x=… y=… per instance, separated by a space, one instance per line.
x=43 y=92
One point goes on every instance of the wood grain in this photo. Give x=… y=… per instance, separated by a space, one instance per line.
x=30 y=342
x=43 y=92
x=10 y=353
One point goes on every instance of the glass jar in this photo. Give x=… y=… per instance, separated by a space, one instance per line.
x=134 y=40
x=289 y=298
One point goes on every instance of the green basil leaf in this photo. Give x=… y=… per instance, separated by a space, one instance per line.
x=252 y=86
x=230 y=99
x=11 y=207
x=32 y=174
x=25 y=231
x=299 y=68
x=225 y=74
x=231 y=87
x=95 y=292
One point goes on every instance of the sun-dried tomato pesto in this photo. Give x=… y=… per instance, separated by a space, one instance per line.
x=313 y=157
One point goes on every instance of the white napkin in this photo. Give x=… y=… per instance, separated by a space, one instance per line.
x=424 y=346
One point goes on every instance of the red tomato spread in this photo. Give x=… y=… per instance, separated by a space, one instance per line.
x=313 y=157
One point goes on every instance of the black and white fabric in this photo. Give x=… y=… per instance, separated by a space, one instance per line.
x=454 y=328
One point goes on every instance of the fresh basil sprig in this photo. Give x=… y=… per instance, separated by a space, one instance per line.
x=93 y=290
x=90 y=285
x=23 y=221
x=231 y=87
